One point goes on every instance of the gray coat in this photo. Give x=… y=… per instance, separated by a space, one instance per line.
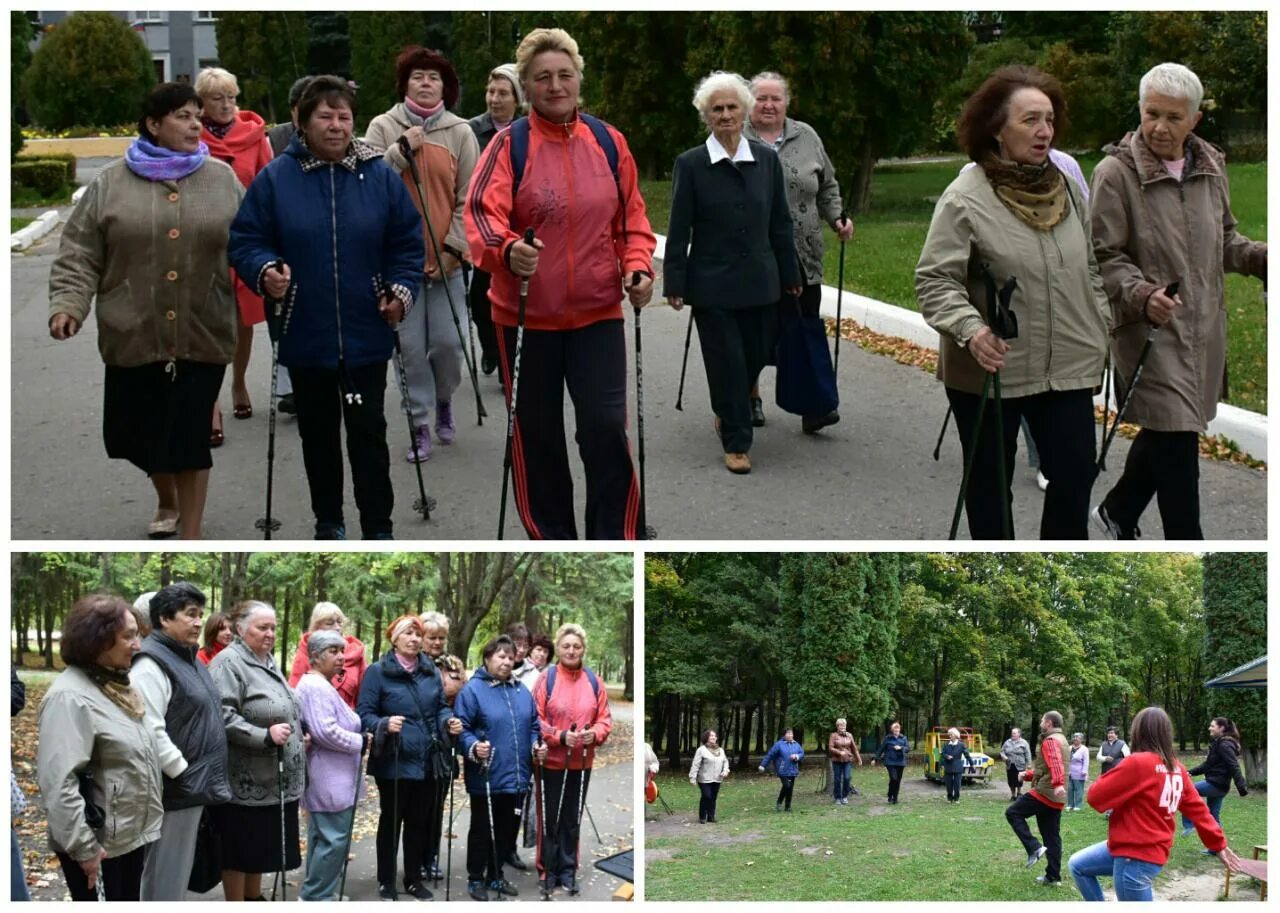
x=256 y=696
x=813 y=195
x=1016 y=753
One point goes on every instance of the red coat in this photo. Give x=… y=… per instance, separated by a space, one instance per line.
x=246 y=149
x=347 y=681
x=572 y=702
x=1145 y=798
x=206 y=655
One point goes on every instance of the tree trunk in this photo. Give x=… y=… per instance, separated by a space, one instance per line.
x=166 y=569
x=746 y=737
x=628 y=649
x=673 y=731
x=862 y=180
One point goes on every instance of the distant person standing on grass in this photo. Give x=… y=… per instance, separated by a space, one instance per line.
x=1112 y=751
x=1220 y=767
x=1048 y=778
x=1017 y=757
x=709 y=768
x=1078 y=772
x=785 y=756
x=842 y=749
x=955 y=756
x=893 y=752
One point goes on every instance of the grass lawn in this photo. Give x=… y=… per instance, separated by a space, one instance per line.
x=921 y=849
x=16 y=223
x=880 y=261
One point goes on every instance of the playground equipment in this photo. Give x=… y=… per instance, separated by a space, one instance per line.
x=981 y=763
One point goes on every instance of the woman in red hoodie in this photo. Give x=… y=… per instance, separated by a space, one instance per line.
x=238 y=138
x=1144 y=794
x=328 y=617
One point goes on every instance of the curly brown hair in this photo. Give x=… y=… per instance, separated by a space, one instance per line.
x=420 y=58
x=988 y=108
x=91 y=627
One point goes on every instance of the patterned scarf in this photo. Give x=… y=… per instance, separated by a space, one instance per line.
x=156 y=163
x=115 y=685
x=1036 y=194
x=218 y=130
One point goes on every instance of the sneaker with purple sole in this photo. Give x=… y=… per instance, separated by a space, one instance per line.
x=445 y=431
x=424 y=447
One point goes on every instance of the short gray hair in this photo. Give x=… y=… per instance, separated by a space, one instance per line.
x=717 y=82
x=319 y=641
x=251 y=608
x=570 y=628
x=435 y=620
x=1174 y=80
x=1077 y=735
x=210 y=79
x=771 y=76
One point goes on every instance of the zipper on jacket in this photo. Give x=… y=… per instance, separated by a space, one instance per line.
x=1048 y=361
x=337 y=300
x=515 y=736
x=1194 y=326
x=569 y=197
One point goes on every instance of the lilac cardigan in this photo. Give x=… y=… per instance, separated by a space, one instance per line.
x=333 y=761
x=1080 y=763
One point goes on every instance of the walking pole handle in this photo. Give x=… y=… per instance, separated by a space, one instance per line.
x=524 y=282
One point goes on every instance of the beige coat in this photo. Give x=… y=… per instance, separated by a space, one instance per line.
x=1150 y=229
x=1060 y=303
x=82 y=730
x=708 y=766
x=155 y=255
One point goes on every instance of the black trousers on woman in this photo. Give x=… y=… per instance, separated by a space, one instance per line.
x=707 y=802
x=895 y=781
x=414 y=800
x=736 y=343
x=784 y=794
x=1062 y=423
x=320 y=395
x=482 y=315
x=484 y=861
x=121 y=876
x=1164 y=465
x=558 y=851
x=953 y=781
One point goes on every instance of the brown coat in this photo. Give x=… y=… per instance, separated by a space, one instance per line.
x=843 y=747
x=1150 y=229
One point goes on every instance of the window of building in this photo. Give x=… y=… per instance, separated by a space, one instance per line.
x=161 y=64
x=207 y=16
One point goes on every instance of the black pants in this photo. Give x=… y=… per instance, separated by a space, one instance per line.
x=481 y=862
x=953 y=781
x=1047 y=819
x=1014 y=777
x=435 y=821
x=1166 y=465
x=895 y=781
x=322 y=408
x=558 y=852
x=735 y=343
x=707 y=803
x=592 y=363
x=784 y=794
x=508 y=849
x=481 y=315
x=1062 y=423
x=414 y=800
x=121 y=876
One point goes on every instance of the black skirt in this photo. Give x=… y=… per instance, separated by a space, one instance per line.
x=251 y=837
x=160 y=420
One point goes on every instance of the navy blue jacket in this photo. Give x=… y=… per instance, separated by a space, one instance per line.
x=386 y=691
x=888 y=755
x=780 y=755
x=504 y=714
x=336 y=225
x=954 y=756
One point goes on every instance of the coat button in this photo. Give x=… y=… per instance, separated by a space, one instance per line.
x=170 y=315
x=173 y=197
x=172 y=275
x=174 y=233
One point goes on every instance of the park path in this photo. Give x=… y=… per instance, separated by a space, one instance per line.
x=872 y=476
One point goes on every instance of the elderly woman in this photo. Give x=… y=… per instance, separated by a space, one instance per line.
x=217 y=635
x=813 y=197
x=503 y=99
x=500 y=740
x=238 y=138
x=1077 y=772
x=893 y=751
x=328 y=617
x=730 y=195
x=842 y=749
x=149 y=240
x=1162 y=214
x=260 y=712
x=185 y=714
x=574 y=725
x=785 y=755
x=402 y=704
x=97 y=762
x=594 y=240
x=334 y=781
x=435 y=636
x=709 y=768
x=343 y=226
x=445 y=152
x=1016 y=216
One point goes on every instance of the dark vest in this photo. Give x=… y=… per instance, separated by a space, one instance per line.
x=193 y=721
x=1111 y=752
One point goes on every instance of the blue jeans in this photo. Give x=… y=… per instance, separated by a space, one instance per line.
x=326 y=851
x=1132 y=877
x=840 y=771
x=17 y=880
x=1213 y=798
x=1075 y=793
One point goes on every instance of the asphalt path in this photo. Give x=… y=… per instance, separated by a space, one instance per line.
x=872 y=476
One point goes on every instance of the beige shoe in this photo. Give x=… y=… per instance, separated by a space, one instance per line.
x=163 y=529
x=738 y=463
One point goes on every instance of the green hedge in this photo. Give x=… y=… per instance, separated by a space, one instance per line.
x=67 y=158
x=46 y=177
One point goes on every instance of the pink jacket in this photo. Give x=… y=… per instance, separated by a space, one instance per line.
x=573 y=701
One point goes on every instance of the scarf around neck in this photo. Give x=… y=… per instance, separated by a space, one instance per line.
x=114 y=683
x=424 y=113
x=156 y=163
x=218 y=130
x=1036 y=194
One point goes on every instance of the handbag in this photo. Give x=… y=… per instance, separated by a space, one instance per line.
x=206 y=868
x=806 y=379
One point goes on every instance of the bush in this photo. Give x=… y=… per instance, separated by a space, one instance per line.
x=16 y=139
x=68 y=160
x=92 y=68
x=45 y=177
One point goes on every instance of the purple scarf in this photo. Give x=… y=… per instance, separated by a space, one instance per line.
x=155 y=163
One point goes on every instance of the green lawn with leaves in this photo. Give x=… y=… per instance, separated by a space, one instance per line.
x=919 y=850
x=16 y=223
x=880 y=261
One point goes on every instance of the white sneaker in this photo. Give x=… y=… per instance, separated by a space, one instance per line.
x=1035 y=857
x=1041 y=480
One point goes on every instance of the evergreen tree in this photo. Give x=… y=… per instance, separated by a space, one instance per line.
x=1235 y=607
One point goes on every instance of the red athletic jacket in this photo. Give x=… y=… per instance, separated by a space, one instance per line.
x=568 y=197
x=572 y=702
x=1145 y=798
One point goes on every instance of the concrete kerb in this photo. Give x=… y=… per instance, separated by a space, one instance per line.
x=1247 y=429
x=30 y=234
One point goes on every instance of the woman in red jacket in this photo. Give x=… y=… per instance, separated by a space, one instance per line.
x=238 y=138
x=1144 y=793
x=590 y=232
x=328 y=617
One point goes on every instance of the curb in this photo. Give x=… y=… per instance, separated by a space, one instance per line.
x=1247 y=429
x=25 y=237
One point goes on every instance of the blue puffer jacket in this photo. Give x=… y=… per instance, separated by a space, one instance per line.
x=336 y=225
x=503 y=713
x=386 y=691
x=780 y=756
x=893 y=751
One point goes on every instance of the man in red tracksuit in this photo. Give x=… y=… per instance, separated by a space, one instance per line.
x=1044 y=801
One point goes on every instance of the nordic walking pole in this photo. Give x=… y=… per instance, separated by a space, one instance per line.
x=684 y=364
x=515 y=388
x=486 y=768
x=539 y=774
x=351 y=826
x=937 y=448
x=444 y=279
x=582 y=806
x=284 y=862
x=467 y=269
x=1106 y=402
x=268 y=524
x=1170 y=291
x=645 y=530
x=591 y=818
x=425 y=504
x=448 y=864
x=844 y=217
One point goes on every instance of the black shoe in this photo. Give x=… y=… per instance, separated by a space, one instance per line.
x=418 y=891
x=504 y=887
x=488 y=364
x=436 y=873
x=757 y=412
x=477 y=891
x=812 y=424
x=331 y=531
x=516 y=862
x=545 y=886
x=287 y=405
x=711 y=821
x=381 y=536
x=386 y=892
x=569 y=883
